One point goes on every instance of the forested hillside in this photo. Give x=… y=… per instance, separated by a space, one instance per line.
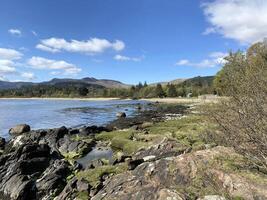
x=89 y=87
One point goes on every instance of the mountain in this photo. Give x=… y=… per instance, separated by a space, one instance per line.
x=56 y=81
x=12 y=85
x=198 y=81
x=101 y=82
x=174 y=82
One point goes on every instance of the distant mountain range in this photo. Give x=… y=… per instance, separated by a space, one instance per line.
x=56 y=81
x=98 y=83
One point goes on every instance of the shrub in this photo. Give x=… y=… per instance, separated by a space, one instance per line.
x=242 y=116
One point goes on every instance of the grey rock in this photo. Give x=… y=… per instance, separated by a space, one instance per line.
x=19 y=129
x=83 y=185
x=212 y=197
x=132 y=164
x=19 y=169
x=53 y=179
x=121 y=115
x=95 y=163
x=2 y=143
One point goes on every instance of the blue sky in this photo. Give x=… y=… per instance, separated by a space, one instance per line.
x=126 y=40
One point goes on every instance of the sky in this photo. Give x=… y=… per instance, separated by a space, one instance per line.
x=125 y=40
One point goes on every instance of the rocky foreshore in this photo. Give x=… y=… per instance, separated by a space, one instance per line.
x=42 y=164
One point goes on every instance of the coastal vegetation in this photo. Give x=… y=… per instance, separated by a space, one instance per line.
x=242 y=116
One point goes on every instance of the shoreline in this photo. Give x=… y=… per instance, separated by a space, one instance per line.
x=63 y=99
x=154 y=100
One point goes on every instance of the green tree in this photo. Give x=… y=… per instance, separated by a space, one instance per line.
x=145 y=84
x=171 y=91
x=159 y=91
x=83 y=91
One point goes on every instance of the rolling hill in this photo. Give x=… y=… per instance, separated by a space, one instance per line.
x=56 y=81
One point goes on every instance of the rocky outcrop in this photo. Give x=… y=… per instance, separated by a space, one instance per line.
x=19 y=129
x=19 y=169
x=74 y=148
x=33 y=166
x=192 y=174
x=53 y=179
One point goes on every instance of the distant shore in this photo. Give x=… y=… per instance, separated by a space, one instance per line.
x=160 y=100
x=55 y=98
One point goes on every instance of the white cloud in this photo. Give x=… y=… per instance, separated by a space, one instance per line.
x=43 y=63
x=209 y=30
x=34 y=33
x=241 y=20
x=7 y=67
x=46 y=48
x=28 y=75
x=182 y=62
x=126 y=58
x=10 y=54
x=91 y=46
x=214 y=59
x=15 y=32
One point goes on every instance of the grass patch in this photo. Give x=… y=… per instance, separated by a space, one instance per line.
x=82 y=195
x=188 y=130
x=93 y=175
x=127 y=146
x=122 y=140
x=71 y=155
x=87 y=139
x=123 y=134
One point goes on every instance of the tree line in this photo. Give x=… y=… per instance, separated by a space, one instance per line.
x=193 y=87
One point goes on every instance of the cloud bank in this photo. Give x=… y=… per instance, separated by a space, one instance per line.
x=241 y=20
x=215 y=59
x=43 y=63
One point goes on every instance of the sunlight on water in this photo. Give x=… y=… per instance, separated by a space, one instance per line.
x=55 y=113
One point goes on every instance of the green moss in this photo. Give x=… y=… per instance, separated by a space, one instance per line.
x=125 y=134
x=127 y=146
x=87 y=139
x=237 y=198
x=93 y=175
x=122 y=140
x=188 y=130
x=82 y=195
x=254 y=177
x=71 y=155
x=70 y=177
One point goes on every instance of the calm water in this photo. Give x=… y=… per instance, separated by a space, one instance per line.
x=96 y=154
x=55 y=113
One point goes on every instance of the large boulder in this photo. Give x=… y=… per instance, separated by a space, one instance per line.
x=19 y=129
